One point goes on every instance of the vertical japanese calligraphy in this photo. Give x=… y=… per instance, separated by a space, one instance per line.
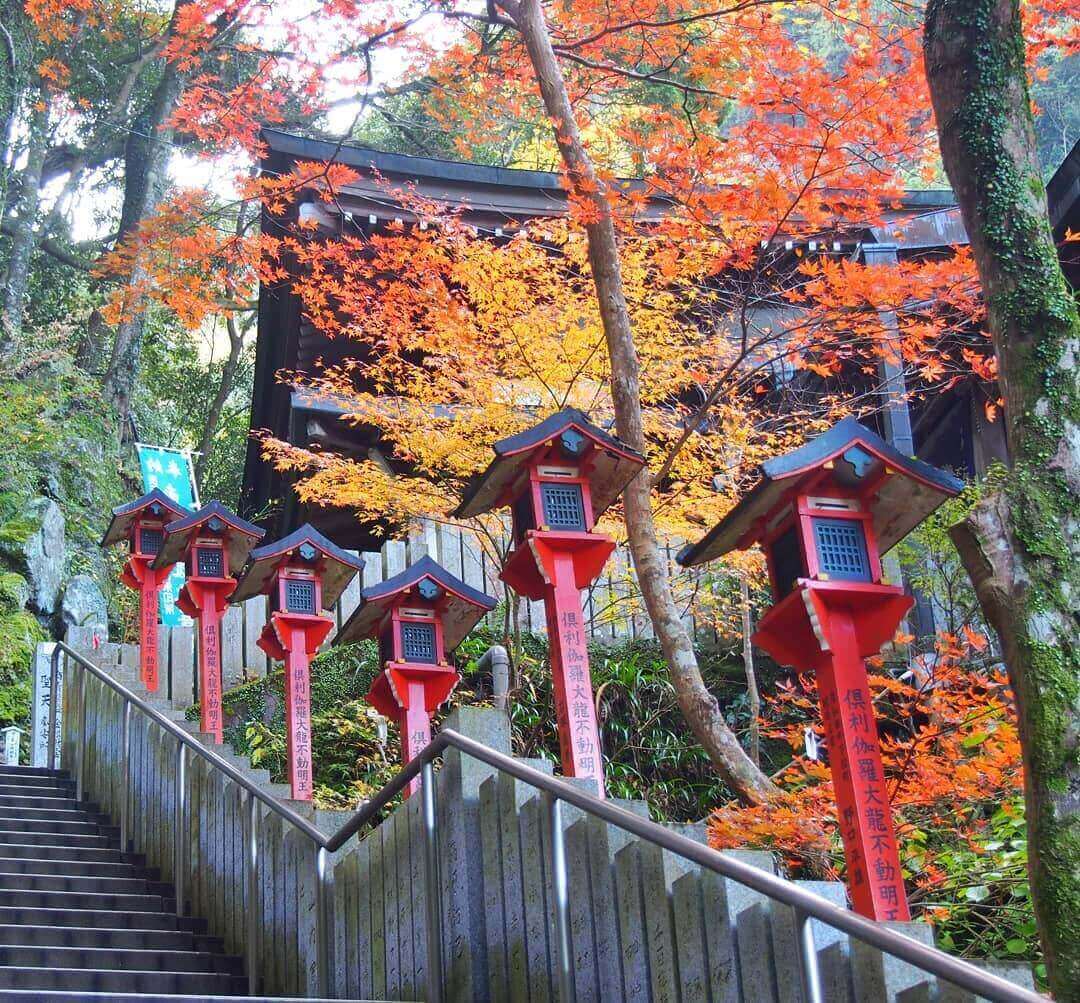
x=873 y=861
x=579 y=737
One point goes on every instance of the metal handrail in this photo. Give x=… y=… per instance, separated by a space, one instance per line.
x=806 y=905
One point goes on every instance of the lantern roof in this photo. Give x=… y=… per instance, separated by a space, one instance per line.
x=613 y=463
x=338 y=566
x=462 y=606
x=239 y=534
x=906 y=490
x=125 y=516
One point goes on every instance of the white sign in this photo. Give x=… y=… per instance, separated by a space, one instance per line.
x=11 y=745
x=39 y=732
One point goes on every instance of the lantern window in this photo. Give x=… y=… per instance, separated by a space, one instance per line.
x=299 y=596
x=787 y=561
x=563 y=508
x=841 y=549
x=210 y=562
x=150 y=541
x=418 y=642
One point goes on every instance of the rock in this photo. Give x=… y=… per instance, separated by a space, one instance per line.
x=34 y=540
x=14 y=592
x=83 y=604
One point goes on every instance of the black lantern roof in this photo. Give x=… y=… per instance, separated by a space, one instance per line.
x=613 y=465
x=338 y=566
x=907 y=490
x=240 y=535
x=125 y=516
x=462 y=607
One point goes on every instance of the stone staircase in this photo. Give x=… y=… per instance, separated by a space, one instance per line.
x=78 y=914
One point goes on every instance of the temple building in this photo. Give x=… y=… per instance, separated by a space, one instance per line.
x=948 y=430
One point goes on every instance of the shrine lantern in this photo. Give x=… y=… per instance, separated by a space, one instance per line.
x=418 y=617
x=557 y=479
x=824 y=514
x=141 y=524
x=303 y=574
x=214 y=544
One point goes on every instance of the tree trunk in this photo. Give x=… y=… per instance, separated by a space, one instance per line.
x=25 y=236
x=752 y=693
x=1021 y=545
x=146 y=162
x=217 y=405
x=699 y=706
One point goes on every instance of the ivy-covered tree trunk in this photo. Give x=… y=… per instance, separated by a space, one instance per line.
x=1021 y=545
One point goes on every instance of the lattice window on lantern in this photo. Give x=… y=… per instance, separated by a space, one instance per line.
x=299 y=596
x=150 y=541
x=841 y=549
x=563 y=508
x=418 y=642
x=210 y=562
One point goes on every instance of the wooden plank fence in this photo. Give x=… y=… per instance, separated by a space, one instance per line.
x=613 y=607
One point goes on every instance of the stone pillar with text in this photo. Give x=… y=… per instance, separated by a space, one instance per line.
x=824 y=515
x=557 y=478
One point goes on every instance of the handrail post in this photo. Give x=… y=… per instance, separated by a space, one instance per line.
x=125 y=752
x=808 y=959
x=80 y=737
x=178 y=826
x=323 y=877
x=433 y=896
x=561 y=889
x=54 y=676
x=251 y=862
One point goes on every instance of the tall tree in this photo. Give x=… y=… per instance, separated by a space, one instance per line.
x=1021 y=545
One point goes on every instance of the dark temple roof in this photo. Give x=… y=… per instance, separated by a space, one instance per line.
x=463 y=606
x=911 y=490
x=339 y=566
x=242 y=536
x=124 y=516
x=614 y=464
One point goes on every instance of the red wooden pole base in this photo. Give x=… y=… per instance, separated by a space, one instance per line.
x=875 y=880
x=830 y=627
x=415 y=730
x=579 y=736
x=139 y=575
x=206 y=601
x=294 y=638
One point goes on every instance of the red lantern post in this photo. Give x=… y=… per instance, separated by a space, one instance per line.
x=303 y=574
x=418 y=616
x=214 y=544
x=824 y=514
x=141 y=524
x=558 y=478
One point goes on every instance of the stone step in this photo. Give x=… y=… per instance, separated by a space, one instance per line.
x=131 y=981
x=33 y=785
x=60 y=811
x=74 y=868
x=96 y=884
x=96 y=918
x=84 y=852
x=16 y=899
x=56 y=840
x=25 y=772
x=112 y=958
x=61 y=827
x=25 y=800
x=106 y=937
x=60 y=996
